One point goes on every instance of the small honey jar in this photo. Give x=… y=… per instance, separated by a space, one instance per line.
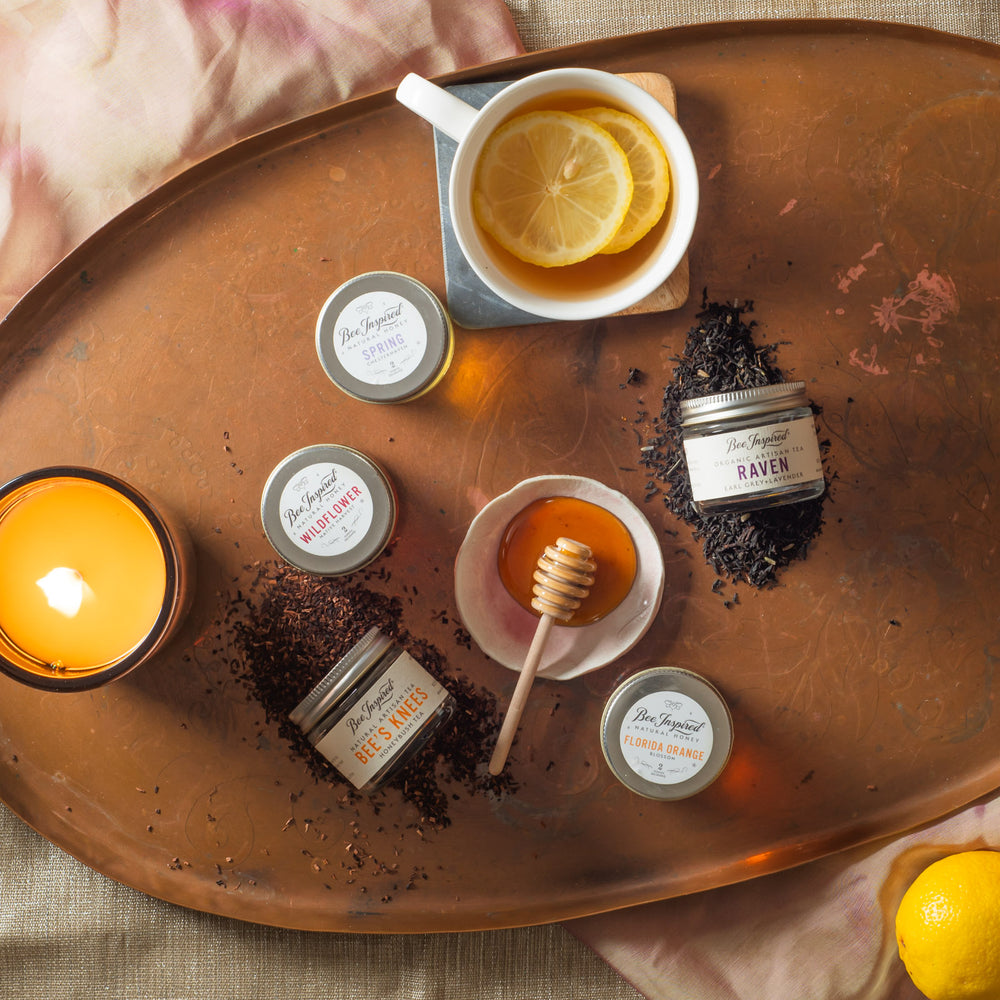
x=666 y=733
x=384 y=337
x=328 y=509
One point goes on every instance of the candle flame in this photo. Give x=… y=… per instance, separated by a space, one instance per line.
x=65 y=590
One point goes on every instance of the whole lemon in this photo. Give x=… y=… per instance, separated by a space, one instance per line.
x=948 y=928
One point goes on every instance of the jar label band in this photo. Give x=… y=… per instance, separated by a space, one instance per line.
x=326 y=509
x=778 y=456
x=380 y=338
x=666 y=737
x=380 y=724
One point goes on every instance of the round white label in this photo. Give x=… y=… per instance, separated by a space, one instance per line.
x=380 y=338
x=326 y=509
x=666 y=737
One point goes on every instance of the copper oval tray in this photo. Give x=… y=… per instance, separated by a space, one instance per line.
x=850 y=188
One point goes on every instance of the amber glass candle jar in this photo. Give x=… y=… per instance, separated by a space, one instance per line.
x=93 y=578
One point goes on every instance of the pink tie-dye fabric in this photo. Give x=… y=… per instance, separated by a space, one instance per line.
x=102 y=100
x=824 y=931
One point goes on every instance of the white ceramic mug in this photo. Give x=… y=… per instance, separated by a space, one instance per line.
x=581 y=291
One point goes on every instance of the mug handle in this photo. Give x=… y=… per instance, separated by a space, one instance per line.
x=444 y=111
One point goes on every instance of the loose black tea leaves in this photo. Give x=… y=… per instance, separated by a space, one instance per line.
x=721 y=355
x=292 y=626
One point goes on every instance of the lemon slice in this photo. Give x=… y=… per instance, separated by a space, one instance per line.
x=650 y=174
x=551 y=188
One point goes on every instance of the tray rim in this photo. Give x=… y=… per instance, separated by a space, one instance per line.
x=40 y=301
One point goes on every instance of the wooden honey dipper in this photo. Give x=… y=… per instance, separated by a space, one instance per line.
x=563 y=578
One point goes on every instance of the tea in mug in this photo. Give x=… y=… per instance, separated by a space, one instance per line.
x=595 y=185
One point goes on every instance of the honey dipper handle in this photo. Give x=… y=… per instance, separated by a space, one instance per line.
x=520 y=697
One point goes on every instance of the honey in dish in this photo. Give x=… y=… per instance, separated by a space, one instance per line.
x=545 y=520
x=600 y=274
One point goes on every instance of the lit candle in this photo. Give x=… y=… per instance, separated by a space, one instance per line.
x=88 y=577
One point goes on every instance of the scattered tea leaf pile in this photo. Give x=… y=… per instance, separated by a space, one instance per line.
x=290 y=629
x=720 y=355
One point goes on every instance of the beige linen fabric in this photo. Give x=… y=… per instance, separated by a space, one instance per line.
x=69 y=933
x=551 y=23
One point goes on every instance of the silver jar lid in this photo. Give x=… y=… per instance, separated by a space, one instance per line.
x=328 y=509
x=743 y=403
x=666 y=733
x=383 y=337
x=347 y=671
